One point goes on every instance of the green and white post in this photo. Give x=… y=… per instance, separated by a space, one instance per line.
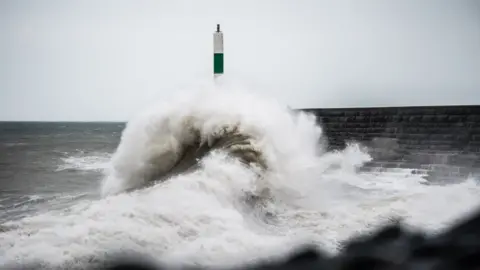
x=217 y=53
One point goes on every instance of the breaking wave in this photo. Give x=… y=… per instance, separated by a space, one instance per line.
x=223 y=176
x=172 y=137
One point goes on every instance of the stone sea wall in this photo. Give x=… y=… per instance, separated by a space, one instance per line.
x=442 y=142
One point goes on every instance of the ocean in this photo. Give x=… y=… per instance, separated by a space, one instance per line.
x=75 y=194
x=44 y=164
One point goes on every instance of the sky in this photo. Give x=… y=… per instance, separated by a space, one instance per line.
x=67 y=60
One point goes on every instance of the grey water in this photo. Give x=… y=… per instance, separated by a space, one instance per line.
x=46 y=165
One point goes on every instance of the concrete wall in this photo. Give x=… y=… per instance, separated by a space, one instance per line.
x=441 y=141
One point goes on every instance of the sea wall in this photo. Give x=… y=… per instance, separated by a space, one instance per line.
x=441 y=142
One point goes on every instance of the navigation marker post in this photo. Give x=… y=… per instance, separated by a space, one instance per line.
x=217 y=53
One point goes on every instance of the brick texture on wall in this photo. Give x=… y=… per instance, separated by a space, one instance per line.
x=441 y=141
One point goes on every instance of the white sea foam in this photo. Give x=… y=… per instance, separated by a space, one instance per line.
x=204 y=216
x=82 y=162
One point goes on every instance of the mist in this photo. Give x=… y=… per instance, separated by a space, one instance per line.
x=106 y=60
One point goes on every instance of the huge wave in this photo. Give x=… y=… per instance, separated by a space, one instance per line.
x=221 y=175
x=173 y=137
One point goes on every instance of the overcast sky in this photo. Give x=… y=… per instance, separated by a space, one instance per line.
x=104 y=60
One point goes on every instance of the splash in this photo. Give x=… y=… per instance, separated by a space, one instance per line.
x=172 y=136
x=200 y=214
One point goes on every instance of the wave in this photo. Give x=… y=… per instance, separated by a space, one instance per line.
x=168 y=198
x=81 y=162
x=173 y=137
